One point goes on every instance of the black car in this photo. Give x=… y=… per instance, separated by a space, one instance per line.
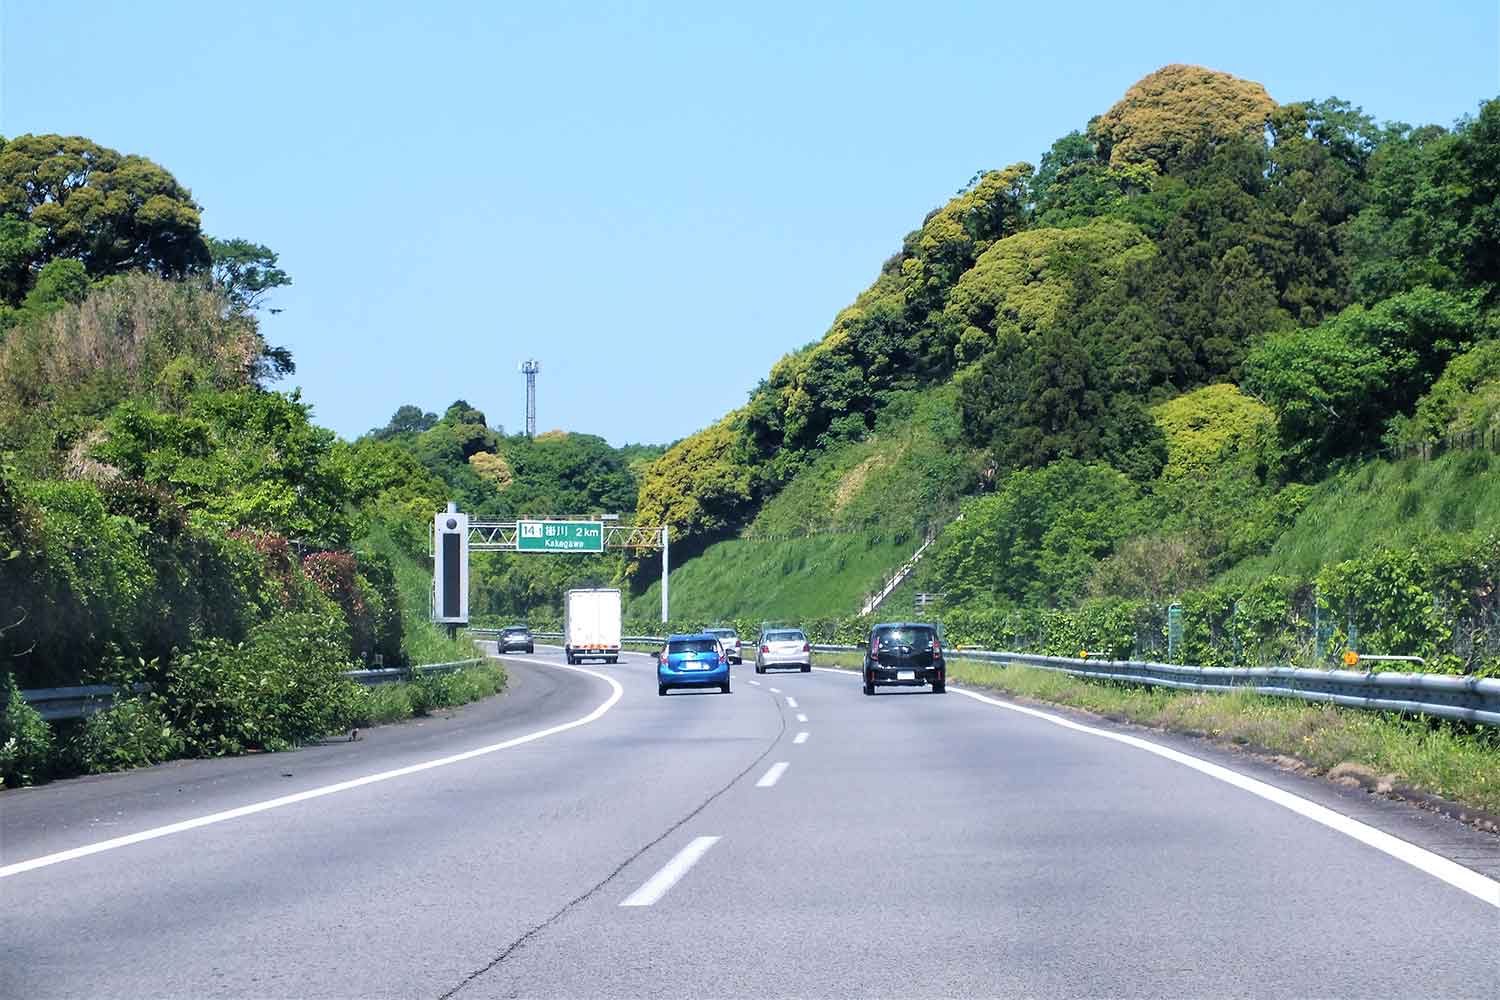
x=905 y=653
x=516 y=638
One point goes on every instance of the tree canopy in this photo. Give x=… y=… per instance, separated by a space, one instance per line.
x=112 y=212
x=1178 y=107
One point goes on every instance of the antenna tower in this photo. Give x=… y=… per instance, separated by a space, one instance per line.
x=529 y=369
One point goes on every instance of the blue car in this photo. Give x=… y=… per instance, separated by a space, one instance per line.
x=692 y=661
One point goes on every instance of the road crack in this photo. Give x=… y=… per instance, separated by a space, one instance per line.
x=590 y=893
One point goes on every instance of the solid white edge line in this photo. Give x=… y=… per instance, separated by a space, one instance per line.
x=801 y=717
x=776 y=690
x=773 y=775
x=756 y=683
x=72 y=854
x=800 y=737
x=791 y=702
x=671 y=873
x=1479 y=886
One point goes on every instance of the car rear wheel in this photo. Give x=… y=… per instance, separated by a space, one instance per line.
x=869 y=684
x=760 y=668
x=724 y=688
x=530 y=650
x=939 y=686
x=661 y=690
x=611 y=659
x=807 y=668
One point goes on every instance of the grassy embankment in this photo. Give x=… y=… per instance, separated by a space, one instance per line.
x=1397 y=504
x=1382 y=750
x=839 y=528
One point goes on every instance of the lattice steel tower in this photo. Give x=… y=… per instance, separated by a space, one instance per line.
x=529 y=369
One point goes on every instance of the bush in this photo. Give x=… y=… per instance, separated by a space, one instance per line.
x=25 y=739
x=282 y=686
x=131 y=733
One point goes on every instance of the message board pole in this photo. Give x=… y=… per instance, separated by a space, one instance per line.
x=664 y=574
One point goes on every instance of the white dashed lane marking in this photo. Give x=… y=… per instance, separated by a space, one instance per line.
x=800 y=738
x=773 y=775
x=657 y=885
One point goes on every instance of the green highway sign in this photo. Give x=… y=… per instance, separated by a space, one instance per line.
x=559 y=536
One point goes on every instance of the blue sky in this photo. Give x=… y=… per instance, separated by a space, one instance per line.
x=655 y=200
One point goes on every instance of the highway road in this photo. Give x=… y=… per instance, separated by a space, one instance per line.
x=581 y=837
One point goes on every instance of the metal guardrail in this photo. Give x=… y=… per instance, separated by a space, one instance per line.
x=57 y=704
x=1470 y=699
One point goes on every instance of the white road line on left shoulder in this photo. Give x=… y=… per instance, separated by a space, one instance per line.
x=801 y=717
x=773 y=775
x=776 y=690
x=791 y=702
x=616 y=693
x=756 y=683
x=1466 y=879
x=800 y=737
x=671 y=873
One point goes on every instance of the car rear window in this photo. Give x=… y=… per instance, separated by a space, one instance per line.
x=916 y=638
x=515 y=631
x=692 y=646
x=727 y=633
x=790 y=635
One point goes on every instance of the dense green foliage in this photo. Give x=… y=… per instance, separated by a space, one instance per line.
x=166 y=517
x=1170 y=349
x=419 y=460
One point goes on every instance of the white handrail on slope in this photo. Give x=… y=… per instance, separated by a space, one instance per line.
x=873 y=602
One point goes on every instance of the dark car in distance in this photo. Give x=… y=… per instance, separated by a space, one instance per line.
x=516 y=638
x=909 y=654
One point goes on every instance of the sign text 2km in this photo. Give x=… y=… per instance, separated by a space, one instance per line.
x=559 y=536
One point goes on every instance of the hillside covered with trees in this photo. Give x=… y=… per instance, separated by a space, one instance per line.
x=1195 y=323
x=167 y=517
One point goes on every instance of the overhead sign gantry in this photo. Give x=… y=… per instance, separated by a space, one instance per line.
x=455 y=536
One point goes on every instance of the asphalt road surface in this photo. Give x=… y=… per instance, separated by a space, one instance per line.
x=582 y=837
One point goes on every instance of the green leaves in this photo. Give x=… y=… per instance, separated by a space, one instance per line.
x=1037 y=538
x=111 y=212
x=246 y=271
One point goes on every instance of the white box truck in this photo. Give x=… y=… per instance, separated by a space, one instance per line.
x=591 y=625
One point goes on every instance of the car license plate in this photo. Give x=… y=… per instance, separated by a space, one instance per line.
x=906 y=675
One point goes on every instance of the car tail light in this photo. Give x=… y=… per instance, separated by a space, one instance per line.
x=807 y=647
x=937 y=649
x=723 y=658
x=765 y=649
x=664 y=659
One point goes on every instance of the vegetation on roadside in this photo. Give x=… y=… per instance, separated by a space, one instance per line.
x=1211 y=350
x=168 y=520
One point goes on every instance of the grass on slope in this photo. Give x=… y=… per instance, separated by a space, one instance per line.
x=813 y=577
x=872 y=500
x=908 y=473
x=1375 y=749
x=1385 y=503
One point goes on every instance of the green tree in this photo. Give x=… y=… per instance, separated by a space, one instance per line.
x=1175 y=108
x=113 y=212
x=1021 y=284
x=1037 y=539
x=20 y=246
x=697 y=488
x=407 y=420
x=246 y=271
x=1325 y=385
